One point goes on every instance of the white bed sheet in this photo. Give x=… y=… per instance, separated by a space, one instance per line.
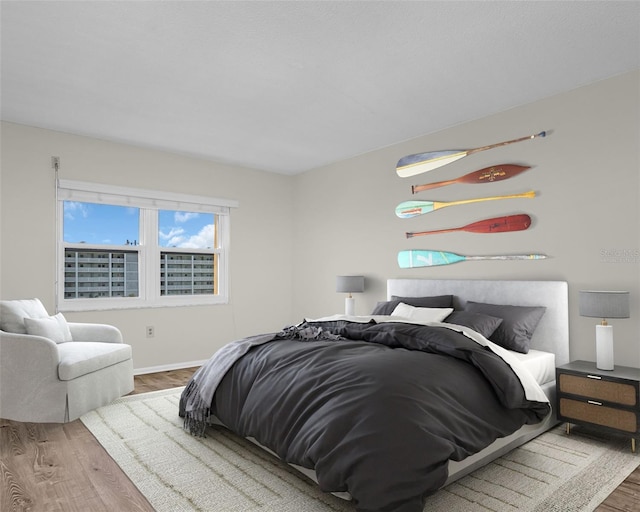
x=542 y=365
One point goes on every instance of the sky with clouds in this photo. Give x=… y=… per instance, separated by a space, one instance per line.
x=101 y=224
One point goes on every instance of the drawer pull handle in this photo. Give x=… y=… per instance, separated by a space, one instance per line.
x=593 y=402
x=597 y=377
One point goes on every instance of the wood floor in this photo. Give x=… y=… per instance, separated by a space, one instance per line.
x=61 y=467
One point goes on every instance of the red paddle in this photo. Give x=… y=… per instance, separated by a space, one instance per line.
x=518 y=222
x=486 y=175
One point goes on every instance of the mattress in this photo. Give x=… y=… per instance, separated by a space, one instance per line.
x=542 y=365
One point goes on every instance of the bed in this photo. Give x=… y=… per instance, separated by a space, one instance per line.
x=551 y=336
x=280 y=390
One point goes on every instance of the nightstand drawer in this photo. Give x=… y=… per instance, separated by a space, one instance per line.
x=599 y=389
x=626 y=421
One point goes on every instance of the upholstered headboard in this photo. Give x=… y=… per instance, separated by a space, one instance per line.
x=552 y=333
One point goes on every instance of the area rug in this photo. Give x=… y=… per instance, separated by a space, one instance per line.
x=224 y=473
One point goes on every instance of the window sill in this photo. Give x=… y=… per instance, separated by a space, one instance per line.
x=123 y=304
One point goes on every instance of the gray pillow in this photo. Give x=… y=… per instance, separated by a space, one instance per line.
x=387 y=307
x=484 y=324
x=518 y=323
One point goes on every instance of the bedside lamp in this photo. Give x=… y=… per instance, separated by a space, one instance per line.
x=602 y=304
x=349 y=284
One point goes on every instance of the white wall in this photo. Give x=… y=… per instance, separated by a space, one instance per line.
x=586 y=174
x=261 y=238
x=292 y=235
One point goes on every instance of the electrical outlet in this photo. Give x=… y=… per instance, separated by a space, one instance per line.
x=150 y=331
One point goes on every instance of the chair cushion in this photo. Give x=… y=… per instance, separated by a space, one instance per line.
x=53 y=327
x=13 y=312
x=78 y=358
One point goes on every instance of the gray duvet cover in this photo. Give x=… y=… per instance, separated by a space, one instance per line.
x=376 y=410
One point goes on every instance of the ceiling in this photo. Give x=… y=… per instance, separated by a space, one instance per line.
x=290 y=86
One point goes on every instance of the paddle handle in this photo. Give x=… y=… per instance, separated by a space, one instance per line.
x=508 y=257
x=437 y=205
x=433 y=232
x=428 y=186
x=498 y=144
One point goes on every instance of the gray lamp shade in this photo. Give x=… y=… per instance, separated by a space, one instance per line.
x=603 y=304
x=349 y=284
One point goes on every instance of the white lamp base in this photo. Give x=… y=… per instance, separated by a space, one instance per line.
x=604 y=347
x=349 y=306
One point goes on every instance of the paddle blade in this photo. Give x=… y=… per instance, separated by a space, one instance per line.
x=422 y=258
x=409 y=209
x=494 y=173
x=500 y=224
x=411 y=165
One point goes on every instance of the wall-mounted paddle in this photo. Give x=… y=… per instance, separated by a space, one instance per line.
x=486 y=175
x=505 y=224
x=423 y=258
x=413 y=208
x=411 y=165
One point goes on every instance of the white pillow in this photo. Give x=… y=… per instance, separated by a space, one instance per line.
x=422 y=315
x=53 y=327
x=13 y=313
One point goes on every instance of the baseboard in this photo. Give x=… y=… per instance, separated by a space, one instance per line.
x=168 y=367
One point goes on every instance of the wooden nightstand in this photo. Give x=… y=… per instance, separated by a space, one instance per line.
x=607 y=400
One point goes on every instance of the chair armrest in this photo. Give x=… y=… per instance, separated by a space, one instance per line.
x=30 y=388
x=95 y=332
x=26 y=350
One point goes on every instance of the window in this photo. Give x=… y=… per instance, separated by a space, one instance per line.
x=125 y=248
x=187 y=266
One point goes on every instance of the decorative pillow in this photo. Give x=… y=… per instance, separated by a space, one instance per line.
x=387 y=307
x=422 y=315
x=517 y=327
x=13 y=313
x=484 y=324
x=53 y=327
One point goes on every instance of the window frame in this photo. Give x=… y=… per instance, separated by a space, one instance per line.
x=149 y=203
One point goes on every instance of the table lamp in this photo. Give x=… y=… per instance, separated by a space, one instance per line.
x=604 y=304
x=349 y=284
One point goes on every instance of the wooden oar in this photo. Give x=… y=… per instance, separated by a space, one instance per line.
x=486 y=175
x=411 y=165
x=423 y=258
x=509 y=223
x=413 y=208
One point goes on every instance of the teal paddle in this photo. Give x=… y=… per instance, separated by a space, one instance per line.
x=411 y=165
x=413 y=208
x=422 y=258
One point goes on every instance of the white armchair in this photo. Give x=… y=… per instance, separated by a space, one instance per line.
x=53 y=371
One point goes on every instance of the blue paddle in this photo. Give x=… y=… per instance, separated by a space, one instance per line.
x=423 y=258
